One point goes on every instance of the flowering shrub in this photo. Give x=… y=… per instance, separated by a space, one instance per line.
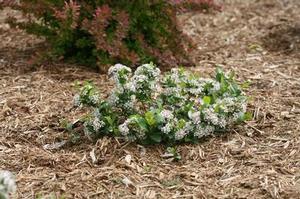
x=109 y=31
x=153 y=108
x=7 y=184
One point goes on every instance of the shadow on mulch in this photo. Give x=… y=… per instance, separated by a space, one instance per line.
x=26 y=61
x=283 y=38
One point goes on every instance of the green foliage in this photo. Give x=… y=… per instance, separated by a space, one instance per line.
x=106 y=32
x=173 y=152
x=150 y=108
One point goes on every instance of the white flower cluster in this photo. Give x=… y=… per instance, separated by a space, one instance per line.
x=115 y=71
x=214 y=118
x=145 y=79
x=121 y=75
x=167 y=115
x=195 y=117
x=137 y=82
x=183 y=86
x=232 y=104
x=87 y=96
x=181 y=133
x=169 y=121
x=94 y=124
x=7 y=184
x=177 y=75
x=167 y=128
x=97 y=124
x=76 y=100
x=128 y=127
x=173 y=91
x=196 y=86
x=149 y=70
x=124 y=128
x=203 y=130
x=94 y=99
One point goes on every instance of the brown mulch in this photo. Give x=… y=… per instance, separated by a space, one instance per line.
x=259 y=40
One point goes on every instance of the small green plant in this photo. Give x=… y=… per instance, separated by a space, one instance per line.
x=7 y=184
x=150 y=108
x=173 y=153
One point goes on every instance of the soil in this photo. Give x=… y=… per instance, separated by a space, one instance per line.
x=258 y=40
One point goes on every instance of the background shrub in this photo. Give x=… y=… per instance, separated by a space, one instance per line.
x=110 y=31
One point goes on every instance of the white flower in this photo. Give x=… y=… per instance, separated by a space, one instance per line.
x=138 y=82
x=128 y=105
x=94 y=99
x=97 y=113
x=176 y=76
x=214 y=118
x=196 y=91
x=123 y=128
x=201 y=131
x=85 y=92
x=166 y=114
x=113 y=99
x=131 y=86
x=113 y=70
x=210 y=116
x=227 y=104
x=232 y=104
x=195 y=117
x=141 y=134
x=120 y=73
x=216 y=86
x=167 y=128
x=181 y=133
x=76 y=100
x=7 y=184
x=173 y=91
x=149 y=70
x=98 y=124
x=222 y=122
x=145 y=79
x=237 y=116
x=135 y=94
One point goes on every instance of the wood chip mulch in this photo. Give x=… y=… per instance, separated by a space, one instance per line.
x=259 y=40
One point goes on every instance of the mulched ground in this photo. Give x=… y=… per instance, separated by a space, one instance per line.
x=259 y=40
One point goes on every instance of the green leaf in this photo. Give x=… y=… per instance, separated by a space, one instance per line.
x=219 y=75
x=149 y=116
x=182 y=84
x=206 y=100
x=156 y=137
x=181 y=123
x=158 y=118
x=109 y=120
x=142 y=123
x=245 y=84
x=173 y=151
x=217 y=109
x=247 y=116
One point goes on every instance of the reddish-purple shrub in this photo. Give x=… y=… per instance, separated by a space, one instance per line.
x=110 y=31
